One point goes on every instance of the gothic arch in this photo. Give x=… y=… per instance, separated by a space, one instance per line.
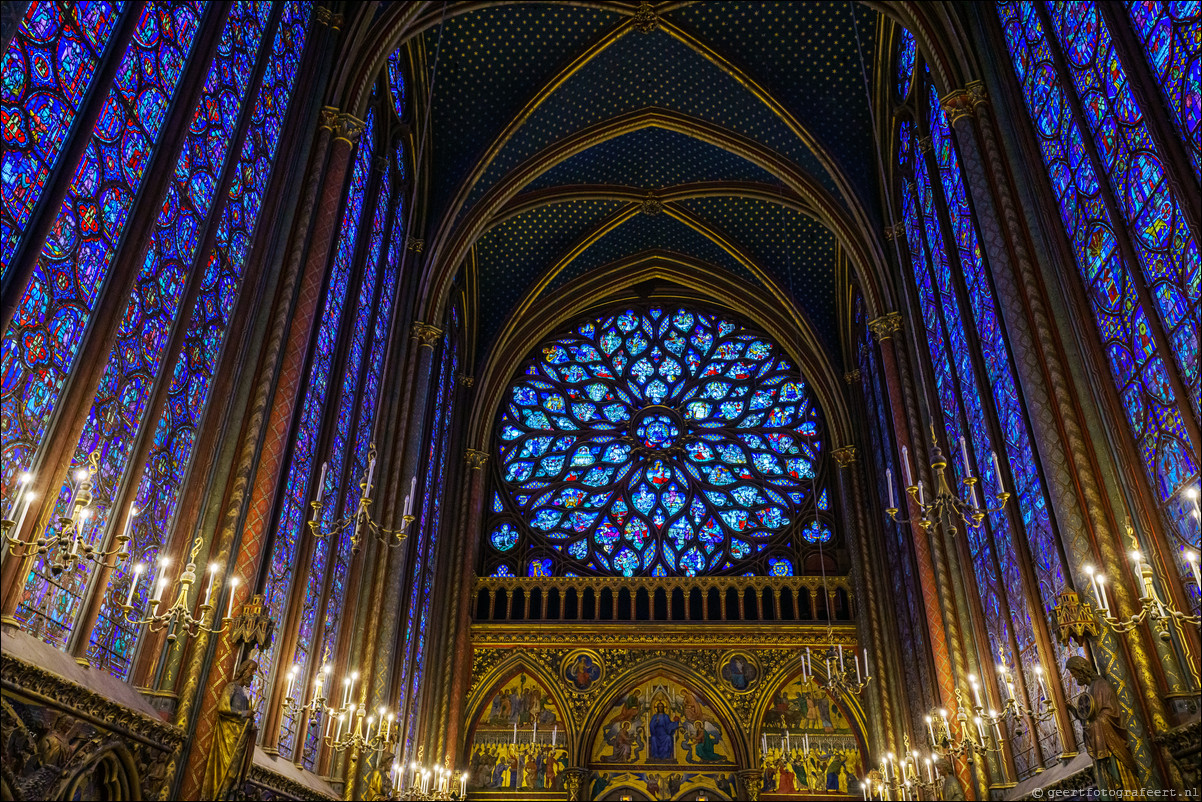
x=613 y=284
x=495 y=680
x=737 y=739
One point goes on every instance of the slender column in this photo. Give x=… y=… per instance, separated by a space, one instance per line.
x=864 y=582
x=345 y=132
x=1178 y=171
x=241 y=538
x=90 y=609
x=464 y=563
x=1051 y=405
x=59 y=180
x=106 y=318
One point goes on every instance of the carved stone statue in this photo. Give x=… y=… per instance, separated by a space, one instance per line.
x=952 y=790
x=1097 y=708
x=233 y=737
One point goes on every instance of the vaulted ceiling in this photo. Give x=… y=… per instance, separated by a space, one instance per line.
x=565 y=137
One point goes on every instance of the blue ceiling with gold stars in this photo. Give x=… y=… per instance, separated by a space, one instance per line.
x=512 y=81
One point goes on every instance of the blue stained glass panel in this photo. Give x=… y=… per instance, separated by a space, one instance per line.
x=41 y=342
x=907 y=50
x=47 y=71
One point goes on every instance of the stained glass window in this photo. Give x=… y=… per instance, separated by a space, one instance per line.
x=136 y=357
x=1166 y=254
x=47 y=71
x=907 y=50
x=1171 y=40
x=304 y=465
x=193 y=372
x=654 y=441
x=396 y=83
x=428 y=522
x=41 y=343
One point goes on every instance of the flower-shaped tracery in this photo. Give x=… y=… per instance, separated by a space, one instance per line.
x=657 y=442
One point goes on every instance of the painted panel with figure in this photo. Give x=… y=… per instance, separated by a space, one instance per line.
x=661 y=722
x=808 y=744
x=519 y=743
x=671 y=783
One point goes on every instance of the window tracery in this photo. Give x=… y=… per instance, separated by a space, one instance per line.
x=657 y=441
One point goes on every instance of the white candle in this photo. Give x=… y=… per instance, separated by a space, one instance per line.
x=856 y=659
x=463 y=785
x=980 y=729
x=133 y=585
x=976 y=689
x=997 y=729
x=937 y=777
x=291 y=682
x=233 y=586
x=1042 y=688
x=1001 y=487
x=788 y=743
x=931 y=730
x=346 y=691
x=889 y=485
x=24 y=512
x=554 y=735
x=930 y=776
x=129 y=526
x=371 y=469
x=1191 y=557
x=964 y=456
x=865 y=662
x=158 y=591
x=329 y=721
x=412 y=491
x=515 y=732
x=212 y=576
x=80 y=475
x=806 y=667
x=534 y=732
x=921 y=499
x=864 y=786
x=1102 y=590
x=906 y=475
x=841 y=666
x=321 y=484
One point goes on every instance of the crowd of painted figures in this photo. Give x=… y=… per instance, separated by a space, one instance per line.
x=828 y=769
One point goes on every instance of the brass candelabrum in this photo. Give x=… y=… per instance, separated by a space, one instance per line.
x=1158 y=612
x=378 y=735
x=983 y=737
x=912 y=777
x=361 y=520
x=839 y=678
x=179 y=615
x=944 y=504
x=426 y=783
x=68 y=547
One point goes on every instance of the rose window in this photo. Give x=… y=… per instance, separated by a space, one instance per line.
x=656 y=442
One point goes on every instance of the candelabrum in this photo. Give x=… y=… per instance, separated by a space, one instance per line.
x=912 y=777
x=1013 y=707
x=350 y=732
x=426 y=784
x=178 y=616
x=316 y=703
x=983 y=737
x=839 y=679
x=1153 y=609
x=66 y=548
x=361 y=519
x=944 y=501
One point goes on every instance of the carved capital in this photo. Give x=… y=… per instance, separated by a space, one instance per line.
x=844 y=455
x=924 y=144
x=852 y=376
x=646 y=18
x=414 y=244
x=884 y=326
x=426 y=334
x=465 y=380
x=475 y=459
x=253 y=626
x=895 y=231
x=957 y=104
x=573 y=781
x=349 y=128
x=976 y=90
x=327 y=118
x=651 y=205
x=753 y=781
x=325 y=16
x=380 y=164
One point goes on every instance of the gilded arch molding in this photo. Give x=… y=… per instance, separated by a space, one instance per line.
x=611 y=285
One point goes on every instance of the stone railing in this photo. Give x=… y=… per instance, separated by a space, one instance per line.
x=733 y=599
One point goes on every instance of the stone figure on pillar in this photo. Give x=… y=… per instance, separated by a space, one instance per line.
x=1097 y=709
x=233 y=737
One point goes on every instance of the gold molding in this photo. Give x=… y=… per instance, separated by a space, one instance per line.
x=349 y=128
x=475 y=458
x=327 y=118
x=884 y=326
x=659 y=634
x=957 y=104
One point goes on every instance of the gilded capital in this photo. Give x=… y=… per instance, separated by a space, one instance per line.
x=349 y=128
x=475 y=459
x=325 y=16
x=465 y=380
x=894 y=231
x=380 y=164
x=924 y=144
x=327 y=118
x=976 y=90
x=852 y=376
x=844 y=455
x=414 y=244
x=884 y=326
x=956 y=104
x=426 y=334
